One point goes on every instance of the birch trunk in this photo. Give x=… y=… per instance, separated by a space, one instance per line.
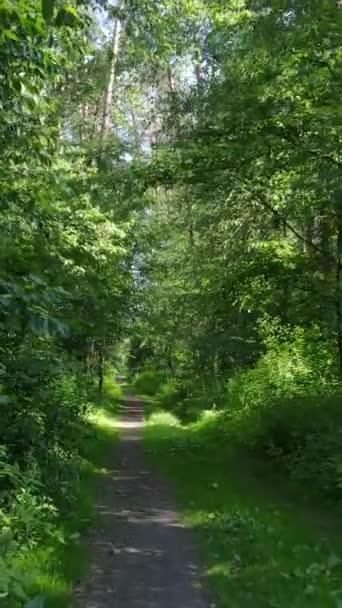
x=108 y=96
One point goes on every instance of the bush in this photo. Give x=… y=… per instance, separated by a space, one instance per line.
x=171 y=393
x=149 y=382
x=41 y=463
x=303 y=435
x=26 y=516
x=188 y=398
x=289 y=409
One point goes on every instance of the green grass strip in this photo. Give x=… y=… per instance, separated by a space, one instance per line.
x=260 y=545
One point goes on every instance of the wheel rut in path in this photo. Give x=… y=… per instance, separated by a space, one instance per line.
x=142 y=557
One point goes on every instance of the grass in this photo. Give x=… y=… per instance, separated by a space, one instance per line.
x=261 y=544
x=62 y=560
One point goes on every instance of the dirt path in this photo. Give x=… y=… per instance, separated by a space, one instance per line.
x=142 y=556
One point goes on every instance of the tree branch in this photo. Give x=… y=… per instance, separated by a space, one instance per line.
x=264 y=203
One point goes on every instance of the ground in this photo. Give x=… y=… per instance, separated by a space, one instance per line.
x=242 y=535
x=142 y=555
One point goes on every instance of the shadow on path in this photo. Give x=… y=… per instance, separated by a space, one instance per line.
x=141 y=556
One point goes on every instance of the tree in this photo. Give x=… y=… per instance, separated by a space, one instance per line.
x=256 y=152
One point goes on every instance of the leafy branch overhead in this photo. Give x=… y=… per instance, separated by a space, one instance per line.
x=59 y=14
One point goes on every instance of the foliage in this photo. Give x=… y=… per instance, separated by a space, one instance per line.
x=247 y=223
x=239 y=272
x=203 y=224
x=148 y=382
x=65 y=280
x=288 y=409
x=40 y=535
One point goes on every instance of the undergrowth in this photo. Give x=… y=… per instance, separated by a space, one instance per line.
x=286 y=409
x=149 y=382
x=41 y=554
x=249 y=455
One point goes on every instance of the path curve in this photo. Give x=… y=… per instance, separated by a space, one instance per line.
x=142 y=557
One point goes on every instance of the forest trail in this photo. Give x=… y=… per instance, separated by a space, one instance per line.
x=142 y=557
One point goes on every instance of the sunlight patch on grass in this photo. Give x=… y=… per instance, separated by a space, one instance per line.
x=163 y=418
x=209 y=415
x=101 y=418
x=225 y=569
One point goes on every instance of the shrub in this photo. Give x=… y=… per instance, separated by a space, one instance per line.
x=188 y=398
x=26 y=516
x=171 y=393
x=289 y=408
x=41 y=462
x=303 y=435
x=149 y=382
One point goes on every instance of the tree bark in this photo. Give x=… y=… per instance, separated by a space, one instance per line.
x=100 y=369
x=338 y=290
x=198 y=64
x=171 y=80
x=108 y=96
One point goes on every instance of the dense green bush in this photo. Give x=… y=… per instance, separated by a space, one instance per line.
x=296 y=361
x=27 y=516
x=288 y=409
x=188 y=398
x=149 y=382
x=41 y=461
x=172 y=393
x=303 y=434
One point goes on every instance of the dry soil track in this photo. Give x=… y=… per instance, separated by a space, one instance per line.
x=142 y=557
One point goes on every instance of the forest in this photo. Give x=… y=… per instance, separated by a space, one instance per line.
x=171 y=209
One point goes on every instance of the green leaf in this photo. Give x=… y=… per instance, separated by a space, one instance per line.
x=10 y=34
x=66 y=16
x=47 y=9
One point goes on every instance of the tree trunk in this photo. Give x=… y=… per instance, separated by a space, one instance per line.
x=171 y=80
x=198 y=63
x=338 y=291
x=108 y=96
x=100 y=369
